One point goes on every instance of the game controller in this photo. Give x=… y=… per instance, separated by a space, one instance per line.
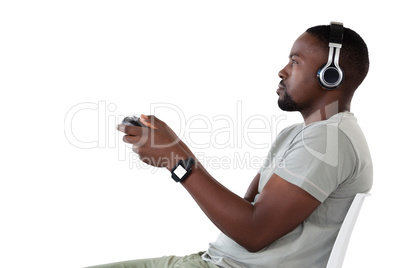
x=132 y=121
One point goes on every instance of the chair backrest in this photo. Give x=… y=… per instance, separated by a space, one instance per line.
x=342 y=240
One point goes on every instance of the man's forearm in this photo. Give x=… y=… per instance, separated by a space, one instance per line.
x=232 y=214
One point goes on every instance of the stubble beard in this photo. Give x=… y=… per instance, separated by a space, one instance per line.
x=287 y=103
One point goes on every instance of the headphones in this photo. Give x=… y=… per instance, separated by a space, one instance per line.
x=330 y=75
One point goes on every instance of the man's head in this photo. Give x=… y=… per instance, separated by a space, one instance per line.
x=300 y=90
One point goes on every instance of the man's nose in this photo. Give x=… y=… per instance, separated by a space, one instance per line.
x=283 y=74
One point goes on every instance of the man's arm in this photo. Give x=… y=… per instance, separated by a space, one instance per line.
x=281 y=206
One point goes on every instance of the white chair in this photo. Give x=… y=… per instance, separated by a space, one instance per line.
x=342 y=240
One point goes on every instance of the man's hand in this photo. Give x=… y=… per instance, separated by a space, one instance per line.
x=156 y=143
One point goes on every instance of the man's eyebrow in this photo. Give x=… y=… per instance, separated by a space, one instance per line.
x=293 y=55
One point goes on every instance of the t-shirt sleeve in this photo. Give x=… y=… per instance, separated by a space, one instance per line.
x=318 y=160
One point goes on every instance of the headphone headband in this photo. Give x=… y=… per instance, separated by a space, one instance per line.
x=336 y=33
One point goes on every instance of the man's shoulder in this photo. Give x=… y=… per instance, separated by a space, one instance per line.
x=292 y=128
x=343 y=122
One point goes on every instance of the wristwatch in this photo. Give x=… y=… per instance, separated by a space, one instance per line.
x=181 y=171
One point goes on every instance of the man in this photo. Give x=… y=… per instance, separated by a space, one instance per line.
x=295 y=205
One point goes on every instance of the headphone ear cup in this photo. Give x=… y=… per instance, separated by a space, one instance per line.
x=329 y=77
x=320 y=80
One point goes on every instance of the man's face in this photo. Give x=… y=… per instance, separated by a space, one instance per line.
x=299 y=89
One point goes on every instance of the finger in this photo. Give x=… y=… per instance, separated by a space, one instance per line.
x=137 y=141
x=131 y=139
x=150 y=121
x=130 y=130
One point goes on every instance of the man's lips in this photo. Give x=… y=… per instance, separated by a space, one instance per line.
x=281 y=87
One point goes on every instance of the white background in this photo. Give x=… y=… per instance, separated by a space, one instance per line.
x=85 y=64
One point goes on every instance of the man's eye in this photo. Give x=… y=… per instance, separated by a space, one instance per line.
x=294 y=62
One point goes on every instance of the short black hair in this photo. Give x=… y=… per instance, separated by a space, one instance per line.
x=354 y=58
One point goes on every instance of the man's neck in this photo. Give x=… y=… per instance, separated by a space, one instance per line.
x=324 y=112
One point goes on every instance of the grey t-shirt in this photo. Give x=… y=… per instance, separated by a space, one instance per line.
x=331 y=161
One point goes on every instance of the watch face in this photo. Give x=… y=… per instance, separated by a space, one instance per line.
x=180 y=171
